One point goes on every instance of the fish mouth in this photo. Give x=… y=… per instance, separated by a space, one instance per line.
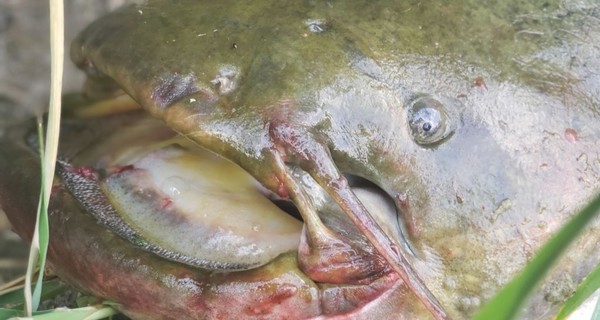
x=256 y=261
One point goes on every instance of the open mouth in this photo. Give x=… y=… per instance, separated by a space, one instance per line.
x=193 y=225
x=172 y=200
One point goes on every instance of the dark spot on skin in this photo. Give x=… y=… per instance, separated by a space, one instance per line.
x=459 y=199
x=173 y=88
x=571 y=135
x=86 y=172
x=165 y=202
x=480 y=83
x=119 y=169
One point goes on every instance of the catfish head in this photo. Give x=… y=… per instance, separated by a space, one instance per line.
x=408 y=159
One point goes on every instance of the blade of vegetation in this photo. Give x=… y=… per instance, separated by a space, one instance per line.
x=39 y=244
x=596 y=314
x=509 y=301
x=85 y=313
x=9 y=313
x=11 y=284
x=587 y=287
x=35 y=241
x=15 y=298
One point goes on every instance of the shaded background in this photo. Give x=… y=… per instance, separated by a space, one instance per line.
x=24 y=82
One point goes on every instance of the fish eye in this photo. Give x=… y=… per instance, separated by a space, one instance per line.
x=428 y=121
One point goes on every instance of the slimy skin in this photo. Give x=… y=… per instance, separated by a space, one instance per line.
x=480 y=124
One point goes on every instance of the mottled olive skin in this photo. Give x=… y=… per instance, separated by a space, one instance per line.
x=326 y=87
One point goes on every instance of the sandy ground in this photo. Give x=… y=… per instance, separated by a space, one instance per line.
x=24 y=76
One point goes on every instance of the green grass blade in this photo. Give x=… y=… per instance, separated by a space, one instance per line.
x=586 y=288
x=9 y=313
x=35 y=241
x=44 y=236
x=596 y=314
x=39 y=246
x=57 y=42
x=509 y=301
x=15 y=298
x=85 y=313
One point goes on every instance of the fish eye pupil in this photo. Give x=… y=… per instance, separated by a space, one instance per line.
x=428 y=120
